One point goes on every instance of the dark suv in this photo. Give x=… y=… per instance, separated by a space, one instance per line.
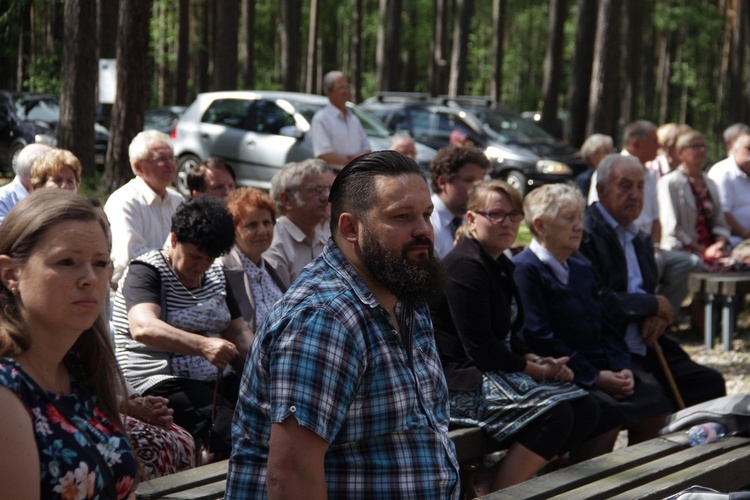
x=520 y=152
x=27 y=118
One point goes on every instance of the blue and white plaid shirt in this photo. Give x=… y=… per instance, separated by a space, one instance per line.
x=329 y=356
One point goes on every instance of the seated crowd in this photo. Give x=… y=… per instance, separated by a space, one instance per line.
x=552 y=351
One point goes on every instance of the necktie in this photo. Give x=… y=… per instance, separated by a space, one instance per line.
x=455 y=224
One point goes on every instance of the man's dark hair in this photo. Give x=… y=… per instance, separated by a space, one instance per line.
x=353 y=191
x=449 y=160
x=196 y=178
x=206 y=223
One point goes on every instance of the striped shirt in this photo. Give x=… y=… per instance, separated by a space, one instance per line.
x=329 y=356
x=204 y=310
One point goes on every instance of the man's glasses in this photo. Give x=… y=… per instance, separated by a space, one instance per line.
x=316 y=190
x=497 y=217
x=161 y=159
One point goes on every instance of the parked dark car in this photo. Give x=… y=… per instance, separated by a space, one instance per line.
x=162 y=119
x=26 y=118
x=520 y=152
x=257 y=132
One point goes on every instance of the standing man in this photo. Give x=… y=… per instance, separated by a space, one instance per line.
x=337 y=135
x=140 y=212
x=452 y=172
x=19 y=187
x=624 y=261
x=344 y=396
x=731 y=178
x=300 y=191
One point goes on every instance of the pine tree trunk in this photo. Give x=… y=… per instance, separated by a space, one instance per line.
x=357 y=53
x=736 y=105
x=603 y=103
x=499 y=16
x=290 y=44
x=248 y=47
x=583 y=61
x=553 y=65
x=78 y=86
x=183 y=52
x=440 y=67
x=633 y=62
x=132 y=81
x=311 y=80
x=457 y=82
x=225 y=45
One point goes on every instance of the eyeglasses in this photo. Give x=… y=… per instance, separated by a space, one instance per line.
x=317 y=190
x=497 y=217
x=161 y=159
x=695 y=146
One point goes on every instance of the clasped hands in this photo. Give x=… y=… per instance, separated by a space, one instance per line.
x=552 y=368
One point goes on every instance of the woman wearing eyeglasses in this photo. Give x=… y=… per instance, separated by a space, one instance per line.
x=495 y=381
x=689 y=205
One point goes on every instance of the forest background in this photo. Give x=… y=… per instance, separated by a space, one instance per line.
x=602 y=63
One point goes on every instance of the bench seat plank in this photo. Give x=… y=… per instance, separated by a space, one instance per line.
x=649 y=474
x=205 y=492
x=568 y=478
x=162 y=486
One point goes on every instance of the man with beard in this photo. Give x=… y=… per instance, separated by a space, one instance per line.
x=343 y=395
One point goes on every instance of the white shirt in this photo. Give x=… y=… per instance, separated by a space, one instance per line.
x=625 y=236
x=332 y=134
x=140 y=221
x=290 y=253
x=441 y=218
x=10 y=194
x=650 y=211
x=561 y=271
x=734 y=189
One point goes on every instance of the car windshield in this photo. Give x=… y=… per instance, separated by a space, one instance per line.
x=373 y=127
x=43 y=109
x=508 y=127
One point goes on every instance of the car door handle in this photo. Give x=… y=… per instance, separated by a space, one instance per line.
x=204 y=137
x=250 y=144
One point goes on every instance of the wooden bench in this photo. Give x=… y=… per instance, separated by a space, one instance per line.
x=209 y=481
x=725 y=287
x=654 y=469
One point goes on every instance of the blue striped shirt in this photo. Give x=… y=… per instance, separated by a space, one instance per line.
x=329 y=356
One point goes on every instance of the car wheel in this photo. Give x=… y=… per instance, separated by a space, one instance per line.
x=185 y=164
x=517 y=180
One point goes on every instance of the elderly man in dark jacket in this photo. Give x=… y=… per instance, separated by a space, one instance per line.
x=624 y=260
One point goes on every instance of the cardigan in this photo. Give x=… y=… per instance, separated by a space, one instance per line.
x=568 y=319
x=472 y=317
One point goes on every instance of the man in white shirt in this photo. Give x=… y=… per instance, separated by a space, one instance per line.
x=337 y=135
x=300 y=191
x=731 y=178
x=452 y=172
x=140 y=212
x=19 y=187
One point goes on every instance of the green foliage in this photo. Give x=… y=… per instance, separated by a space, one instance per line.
x=44 y=74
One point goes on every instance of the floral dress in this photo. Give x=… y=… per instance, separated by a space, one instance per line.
x=68 y=465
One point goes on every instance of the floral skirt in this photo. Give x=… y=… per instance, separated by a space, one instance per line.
x=161 y=451
x=506 y=402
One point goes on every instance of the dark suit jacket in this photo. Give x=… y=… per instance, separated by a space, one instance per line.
x=601 y=247
x=568 y=319
x=471 y=317
x=239 y=282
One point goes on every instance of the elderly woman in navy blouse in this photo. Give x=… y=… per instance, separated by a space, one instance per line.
x=565 y=317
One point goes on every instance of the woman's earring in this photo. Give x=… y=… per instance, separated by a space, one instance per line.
x=14 y=291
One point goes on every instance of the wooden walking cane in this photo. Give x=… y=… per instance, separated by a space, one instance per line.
x=668 y=374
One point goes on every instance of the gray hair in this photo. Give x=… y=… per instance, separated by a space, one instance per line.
x=545 y=202
x=400 y=137
x=26 y=159
x=142 y=143
x=608 y=163
x=636 y=130
x=594 y=143
x=291 y=177
x=684 y=139
x=733 y=132
x=331 y=77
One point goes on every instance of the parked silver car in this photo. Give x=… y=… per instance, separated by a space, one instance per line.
x=257 y=132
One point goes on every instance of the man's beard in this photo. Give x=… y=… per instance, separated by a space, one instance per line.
x=408 y=279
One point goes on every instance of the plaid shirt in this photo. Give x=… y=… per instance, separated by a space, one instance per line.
x=329 y=356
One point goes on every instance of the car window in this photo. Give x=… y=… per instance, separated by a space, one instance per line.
x=508 y=127
x=422 y=125
x=268 y=118
x=401 y=122
x=228 y=112
x=45 y=110
x=373 y=126
x=447 y=123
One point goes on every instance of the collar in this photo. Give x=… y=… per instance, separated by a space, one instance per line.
x=341 y=115
x=560 y=271
x=297 y=234
x=444 y=214
x=145 y=190
x=336 y=260
x=631 y=229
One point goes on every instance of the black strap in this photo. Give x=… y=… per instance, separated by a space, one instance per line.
x=109 y=481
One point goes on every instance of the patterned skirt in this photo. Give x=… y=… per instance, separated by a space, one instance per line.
x=506 y=402
x=160 y=451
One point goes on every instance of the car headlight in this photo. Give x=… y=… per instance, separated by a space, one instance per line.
x=553 y=167
x=45 y=139
x=494 y=154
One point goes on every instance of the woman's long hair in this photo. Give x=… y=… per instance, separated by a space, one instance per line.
x=91 y=359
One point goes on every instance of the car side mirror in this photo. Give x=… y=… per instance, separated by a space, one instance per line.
x=291 y=131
